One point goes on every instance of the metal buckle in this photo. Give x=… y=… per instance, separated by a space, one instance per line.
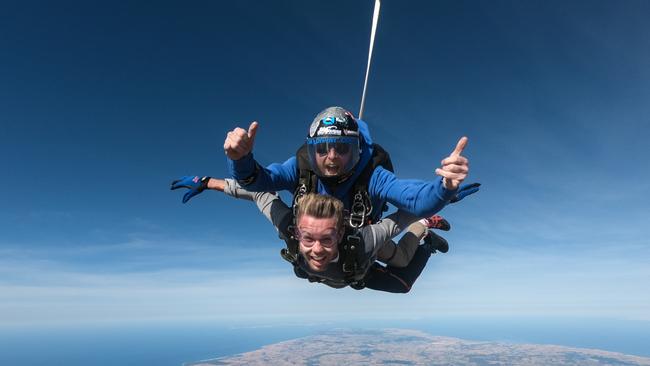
x=287 y=256
x=358 y=211
x=299 y=193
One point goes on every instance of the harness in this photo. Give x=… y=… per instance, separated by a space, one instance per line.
x=352 y=260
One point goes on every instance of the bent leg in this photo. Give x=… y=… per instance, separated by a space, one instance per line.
x=397 y=280
x=378 y=278
x=400 y=254
x=410 y=273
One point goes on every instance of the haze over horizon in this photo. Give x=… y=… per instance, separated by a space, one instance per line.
x=103 y=104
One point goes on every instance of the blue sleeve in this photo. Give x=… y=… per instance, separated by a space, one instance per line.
x=275 y=177
x=421 y=198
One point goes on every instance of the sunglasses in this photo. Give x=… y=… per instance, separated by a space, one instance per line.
x=323 y=148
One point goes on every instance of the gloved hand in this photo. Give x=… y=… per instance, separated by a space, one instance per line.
x=194 y=183
x=465 y=190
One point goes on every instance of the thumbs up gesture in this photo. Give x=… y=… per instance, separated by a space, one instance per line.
x=455 y=167
x=239 y=142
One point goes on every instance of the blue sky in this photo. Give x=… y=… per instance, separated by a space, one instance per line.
x=102 y=104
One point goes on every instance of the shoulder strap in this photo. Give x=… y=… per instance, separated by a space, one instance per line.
x=305 y=175
x=361 y=206
x=287 y=233
x=307 y=179
x=381 y=157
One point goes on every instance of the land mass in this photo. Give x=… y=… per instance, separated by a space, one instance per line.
x=411 y=347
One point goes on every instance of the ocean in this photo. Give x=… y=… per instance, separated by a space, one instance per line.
x=176 y=343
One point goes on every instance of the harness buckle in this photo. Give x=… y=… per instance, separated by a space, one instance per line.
x=302 y=189
x=288 y=256
x=358 y=211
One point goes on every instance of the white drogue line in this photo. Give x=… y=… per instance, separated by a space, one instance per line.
x=375 y=19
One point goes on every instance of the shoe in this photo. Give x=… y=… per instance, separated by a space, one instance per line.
x=436 y=243
x=437 y=222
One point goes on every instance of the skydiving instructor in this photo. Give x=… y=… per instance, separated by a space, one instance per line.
x=339 y=148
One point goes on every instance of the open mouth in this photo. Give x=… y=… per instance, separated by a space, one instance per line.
x=318 y=261
x=331 y=168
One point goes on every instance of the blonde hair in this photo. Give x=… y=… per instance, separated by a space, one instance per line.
x=321 y=207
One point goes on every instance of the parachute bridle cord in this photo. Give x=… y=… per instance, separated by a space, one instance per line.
x=375 y=19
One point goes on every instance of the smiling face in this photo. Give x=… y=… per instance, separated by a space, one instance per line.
x=319 y=238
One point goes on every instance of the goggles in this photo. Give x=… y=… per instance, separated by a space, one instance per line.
x=346 y=147
x=308 y=241
x=341 y=145
x=340 y=148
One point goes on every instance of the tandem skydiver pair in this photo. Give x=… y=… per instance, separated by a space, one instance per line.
x=330 y=237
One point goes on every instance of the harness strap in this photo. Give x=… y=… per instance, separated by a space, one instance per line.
x=350 y=247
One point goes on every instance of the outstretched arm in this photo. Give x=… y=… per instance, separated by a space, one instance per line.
x=268 y=203
x=275 y=177
x=423 y=198
x=419 y=197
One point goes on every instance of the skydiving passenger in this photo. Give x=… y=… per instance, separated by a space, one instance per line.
x=320 y=231
x=341 y=160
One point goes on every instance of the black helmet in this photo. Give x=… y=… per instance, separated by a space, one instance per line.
x=334 y=128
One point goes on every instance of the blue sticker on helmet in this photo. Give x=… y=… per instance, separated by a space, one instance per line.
x=328 y=121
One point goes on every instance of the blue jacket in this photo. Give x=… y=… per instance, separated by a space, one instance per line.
x=421 y=198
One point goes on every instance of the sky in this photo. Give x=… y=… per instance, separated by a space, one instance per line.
x=103 y=104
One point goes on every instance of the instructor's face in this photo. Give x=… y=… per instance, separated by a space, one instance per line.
x=332 y=161
x=319 y=240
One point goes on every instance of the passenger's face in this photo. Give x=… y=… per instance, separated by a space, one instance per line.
x=319 y=240
x=331 y=161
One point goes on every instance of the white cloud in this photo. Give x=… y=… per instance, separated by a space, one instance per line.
x=499 y=264
x=495 y=281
